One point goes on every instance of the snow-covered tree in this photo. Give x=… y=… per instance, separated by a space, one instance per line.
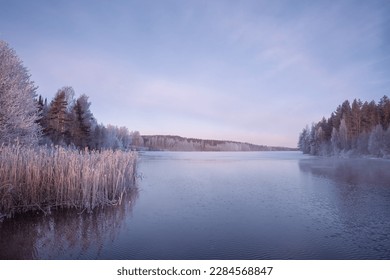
x=18 y=110
x=137 y=139
x=363 y=128
x=362 y=143
x=343 y=135
x=303 y=142
x=112 y=141
x=335 y=141
x=124 y=137
x=375 y=142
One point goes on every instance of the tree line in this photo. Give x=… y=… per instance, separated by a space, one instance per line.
x=64 y=121
x=357 y=129
x=177 y=143
x=68 y=121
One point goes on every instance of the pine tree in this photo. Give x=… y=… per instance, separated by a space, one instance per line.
x=384 y=112
x=82 y=122
x=43 y=109
x=363 y=128
x=356 y=117
x=18 y=110
x=57 y=128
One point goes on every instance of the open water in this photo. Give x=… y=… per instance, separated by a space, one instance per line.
x=224 y=205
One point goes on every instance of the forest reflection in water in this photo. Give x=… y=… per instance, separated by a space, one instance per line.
x=358 y=196
x=352 y=171
x=64 y=234
x=361 y=186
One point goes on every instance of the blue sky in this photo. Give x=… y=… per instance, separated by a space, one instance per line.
x=253 y=71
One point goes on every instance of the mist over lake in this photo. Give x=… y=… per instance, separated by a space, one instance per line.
x=224 y=205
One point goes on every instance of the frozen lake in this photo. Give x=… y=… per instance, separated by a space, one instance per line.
x=217 y=205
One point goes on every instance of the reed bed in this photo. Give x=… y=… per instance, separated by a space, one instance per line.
x=40 y=178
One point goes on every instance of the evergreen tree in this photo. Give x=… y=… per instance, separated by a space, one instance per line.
x=363 y=128
x=384 y=112
x=43 y=109
x=58 y=118
x=356 y=118
x=82 y=122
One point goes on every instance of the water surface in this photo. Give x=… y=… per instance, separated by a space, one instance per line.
x=217 y=205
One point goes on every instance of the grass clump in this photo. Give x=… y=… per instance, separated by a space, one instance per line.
x=42 y=178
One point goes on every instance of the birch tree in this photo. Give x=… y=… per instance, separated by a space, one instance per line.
x=18 y=109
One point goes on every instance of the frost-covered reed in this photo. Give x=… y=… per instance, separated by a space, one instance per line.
x=46 y=177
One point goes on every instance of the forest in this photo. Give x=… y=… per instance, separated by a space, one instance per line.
x=177 y=143
x=360 y=129
x=69 y=122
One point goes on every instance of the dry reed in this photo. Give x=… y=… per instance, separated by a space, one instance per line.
x=46 y=177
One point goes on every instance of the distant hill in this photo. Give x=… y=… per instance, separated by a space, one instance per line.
x=178 y=143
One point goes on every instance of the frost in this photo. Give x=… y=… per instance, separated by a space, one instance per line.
x=18 y=110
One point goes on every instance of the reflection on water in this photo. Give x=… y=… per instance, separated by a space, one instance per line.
x=65 y=234
x=253 y=205
x=358 y=198
x=356 y=171
x=266 y=205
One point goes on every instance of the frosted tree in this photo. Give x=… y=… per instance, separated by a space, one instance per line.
x=18 y=110
x=303 y=142
x=112 y=141
x=335 y=141
x=360 y=129
x=137 y=139
x=375 y=142
x=362 y=143
x=123 y=135
x=343 y=135
x=323 y=145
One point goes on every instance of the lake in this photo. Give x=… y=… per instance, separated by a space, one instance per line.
x=224 y=205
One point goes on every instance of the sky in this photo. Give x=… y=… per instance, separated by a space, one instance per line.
x=251 y=71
